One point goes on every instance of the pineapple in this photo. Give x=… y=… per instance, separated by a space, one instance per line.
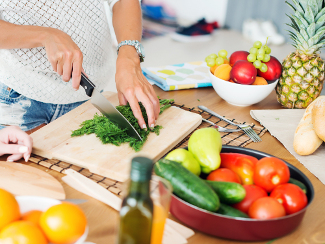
x=303 y=70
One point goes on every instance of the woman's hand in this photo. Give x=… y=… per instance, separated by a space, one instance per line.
x=133 y=87
x=64 y=55
x=16 y=142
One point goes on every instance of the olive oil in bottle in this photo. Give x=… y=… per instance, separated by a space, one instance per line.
x=137 y=207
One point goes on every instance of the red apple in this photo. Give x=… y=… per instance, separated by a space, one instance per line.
x=274 y=70
x=236 y=56
x=243 y=72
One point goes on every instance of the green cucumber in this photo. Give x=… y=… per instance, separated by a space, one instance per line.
x=187 y=185
x=228 y=192
x=224 y=209
x=298 y=183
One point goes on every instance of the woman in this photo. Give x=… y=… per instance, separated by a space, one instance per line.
x=46 y=44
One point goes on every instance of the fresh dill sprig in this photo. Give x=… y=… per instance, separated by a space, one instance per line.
x=109 y=132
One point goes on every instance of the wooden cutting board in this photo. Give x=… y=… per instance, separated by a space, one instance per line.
x=54 y=140
x=20 y=179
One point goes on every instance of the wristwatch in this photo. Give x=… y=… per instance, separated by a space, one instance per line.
x=138 y=46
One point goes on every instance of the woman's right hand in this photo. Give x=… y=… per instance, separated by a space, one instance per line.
x=64 y=55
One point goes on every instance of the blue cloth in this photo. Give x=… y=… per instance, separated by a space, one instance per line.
x=16 y=109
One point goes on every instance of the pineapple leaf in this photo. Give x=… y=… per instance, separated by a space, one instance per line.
x=320 y=22
x=311 y=29
x=304 y=34
x=320 y=14
x=315 y=39
x=298 y=6
x=294 y=27
x=309 y=16
x=290 y=5
x=317 y=46
x=304 y=4
x=293 y=23
x=301 y=39
x=320 y=4
x=300 y=19
x=314 y=7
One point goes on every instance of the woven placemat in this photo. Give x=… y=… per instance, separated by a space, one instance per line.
x=234 y=139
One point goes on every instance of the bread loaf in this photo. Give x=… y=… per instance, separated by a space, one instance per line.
x=306 y=141
x=318 y=117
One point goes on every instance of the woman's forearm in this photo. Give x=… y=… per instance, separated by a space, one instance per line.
x=21 y=36
x=127 y=20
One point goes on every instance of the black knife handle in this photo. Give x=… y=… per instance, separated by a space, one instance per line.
x=87 y=85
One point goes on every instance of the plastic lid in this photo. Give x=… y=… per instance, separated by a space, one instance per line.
x=141 y=169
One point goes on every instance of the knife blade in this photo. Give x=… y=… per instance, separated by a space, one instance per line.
x=106 y=108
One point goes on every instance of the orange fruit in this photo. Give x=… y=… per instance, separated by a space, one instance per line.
x=226 y=61
x=32 y=216
x=260 y=81
x=22 y=232
x=64 y=223
x=9 y=208
x=223 y=72
x=213 y=68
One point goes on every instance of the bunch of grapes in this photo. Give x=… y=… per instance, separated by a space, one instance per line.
x=213 y=58
x=259 y=54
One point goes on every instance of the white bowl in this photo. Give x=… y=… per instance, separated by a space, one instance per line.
x=28 y=203
x=241 y=95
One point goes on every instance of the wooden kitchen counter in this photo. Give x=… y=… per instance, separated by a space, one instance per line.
x=103 y=220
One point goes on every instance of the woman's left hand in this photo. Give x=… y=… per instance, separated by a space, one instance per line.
x=133 y=87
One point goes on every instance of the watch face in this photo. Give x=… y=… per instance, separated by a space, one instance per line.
x=141 y=49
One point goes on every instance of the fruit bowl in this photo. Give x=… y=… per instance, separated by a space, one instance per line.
x=28 y=203
x=236 y=228
x=241 y=95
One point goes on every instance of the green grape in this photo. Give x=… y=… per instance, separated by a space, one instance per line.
x=253 y=50
x=251 y=58
x=223 y=53
x=260 y=56
x=266 y=58
x=257 y=44
x=261 y=51
x=267 y=49
x=257 y=64
x=213 y=55
x=263 y=68
x=220 y=61
x=211 y=62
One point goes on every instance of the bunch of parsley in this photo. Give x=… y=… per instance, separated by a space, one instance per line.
x=109 y=132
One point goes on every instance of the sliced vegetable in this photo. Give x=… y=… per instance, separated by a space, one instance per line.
x=290 y=196
x=225 y=209
x=270 y=172
x=243 y=165
x=187 y=185
x=228 y=192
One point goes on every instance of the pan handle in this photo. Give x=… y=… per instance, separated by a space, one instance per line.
x=87 y=85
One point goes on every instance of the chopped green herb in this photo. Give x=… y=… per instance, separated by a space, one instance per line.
x=277 y=118
x=199 y=100
x=109 y=132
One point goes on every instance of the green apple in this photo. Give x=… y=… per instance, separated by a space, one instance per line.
x=186 y=159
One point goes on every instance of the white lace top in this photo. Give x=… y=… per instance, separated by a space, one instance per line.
x=30 y=73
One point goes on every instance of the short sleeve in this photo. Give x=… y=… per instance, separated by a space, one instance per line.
x=112 y=2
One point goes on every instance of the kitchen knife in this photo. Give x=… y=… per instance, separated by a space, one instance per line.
x=106 y=108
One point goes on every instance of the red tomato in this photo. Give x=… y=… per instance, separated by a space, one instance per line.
x=290 y=196
x=270 y=172
x=266 y=208
x=253 y=193
x=223 y=174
